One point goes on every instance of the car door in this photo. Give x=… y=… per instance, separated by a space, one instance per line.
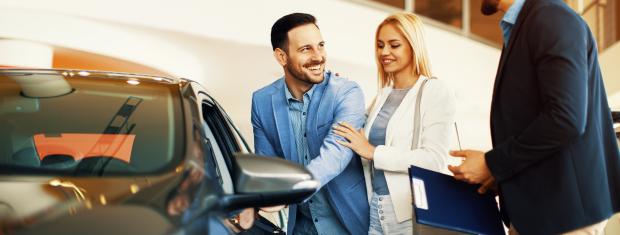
x=228 y=141
x=220 y=143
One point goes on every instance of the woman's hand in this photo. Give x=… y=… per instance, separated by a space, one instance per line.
x=357 y=140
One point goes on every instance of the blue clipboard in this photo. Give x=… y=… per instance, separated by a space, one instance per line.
x=441 y=201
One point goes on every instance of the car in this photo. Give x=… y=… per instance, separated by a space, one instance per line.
x=93 y=152
x=615 y=115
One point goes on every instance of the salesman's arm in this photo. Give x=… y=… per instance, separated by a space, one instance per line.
x=333 y=157
x=559 y=49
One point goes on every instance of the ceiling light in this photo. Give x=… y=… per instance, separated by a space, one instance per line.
x=133 y=82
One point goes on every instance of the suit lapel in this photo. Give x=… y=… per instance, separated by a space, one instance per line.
x=283 y=124
x=511 y=42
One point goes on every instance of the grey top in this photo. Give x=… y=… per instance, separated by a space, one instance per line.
x=376 y=136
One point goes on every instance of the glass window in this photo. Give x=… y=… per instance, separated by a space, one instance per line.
x=88 y=124
x=217 y=159
x=587 y=3
x=224 y=135
x=486 y=27
x=446 y=11
x=608 y=11
x=244 y=147
x=617 y=15
x=602 y=18
x=237 y=142
x=393 y=3
x=591 y=18
x=222 y=142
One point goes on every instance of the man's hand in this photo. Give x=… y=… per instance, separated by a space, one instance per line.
x=241 y=222
x=488 y=184
x=474 y=168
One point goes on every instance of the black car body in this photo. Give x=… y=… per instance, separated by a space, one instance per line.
x=87 y=152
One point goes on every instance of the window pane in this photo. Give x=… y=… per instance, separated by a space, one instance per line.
x=587 y=3
x=591 y=18
x=394 y=3
x=483 y=26
x=617 y=15
x=216 y=153
x=446 y=11
x=609 y=24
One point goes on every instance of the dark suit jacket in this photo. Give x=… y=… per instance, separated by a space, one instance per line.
x=555 y=156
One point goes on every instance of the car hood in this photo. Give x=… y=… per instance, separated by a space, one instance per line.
x=59 y=204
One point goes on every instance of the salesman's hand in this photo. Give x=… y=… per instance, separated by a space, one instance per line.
x=488 y=184
x=474 y=168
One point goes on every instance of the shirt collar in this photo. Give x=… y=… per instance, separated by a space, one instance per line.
x=513 y=12
x=307 y=95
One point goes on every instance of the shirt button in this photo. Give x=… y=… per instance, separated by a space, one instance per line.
x=310 y=201
x=380 y=199
x=304 y=134
x=316 y=220
x=381 y=212
x=382 y=218
x=380 y=206
x=304 y=113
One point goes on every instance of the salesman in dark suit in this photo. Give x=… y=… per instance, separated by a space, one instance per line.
x=555 y=159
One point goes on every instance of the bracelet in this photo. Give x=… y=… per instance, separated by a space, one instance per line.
x=235 y=222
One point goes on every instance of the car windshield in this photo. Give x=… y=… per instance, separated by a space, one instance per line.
x=87 y=123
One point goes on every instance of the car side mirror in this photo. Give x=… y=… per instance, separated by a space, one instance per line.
x=268 y=181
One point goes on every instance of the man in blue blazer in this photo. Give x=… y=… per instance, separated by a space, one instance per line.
x=555 y=158
x=293 y=118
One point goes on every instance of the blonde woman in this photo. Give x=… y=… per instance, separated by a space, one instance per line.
x=386 y=143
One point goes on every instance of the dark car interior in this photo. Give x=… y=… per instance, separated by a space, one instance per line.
x=118 y=136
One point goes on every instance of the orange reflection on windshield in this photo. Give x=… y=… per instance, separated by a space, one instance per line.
x=81 y=146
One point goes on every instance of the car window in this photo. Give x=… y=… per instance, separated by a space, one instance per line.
x=213 y=115
x=240 y=144
x=89 y=124
x=223 y=144
x=243 y=145
x=216 y=157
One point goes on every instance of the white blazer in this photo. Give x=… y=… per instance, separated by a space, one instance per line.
x=394 y=158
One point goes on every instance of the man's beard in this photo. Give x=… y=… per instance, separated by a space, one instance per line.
x=300 y=75
x=489 y=7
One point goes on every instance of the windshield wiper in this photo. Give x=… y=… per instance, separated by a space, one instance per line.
x=117 y=124
x=121 y=118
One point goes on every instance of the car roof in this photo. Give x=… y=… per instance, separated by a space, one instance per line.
x=107 y=74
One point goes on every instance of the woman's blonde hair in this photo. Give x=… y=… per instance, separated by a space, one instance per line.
x=410 y=26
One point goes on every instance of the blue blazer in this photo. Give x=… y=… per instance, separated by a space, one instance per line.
x=555 y=156
x=333 y=165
